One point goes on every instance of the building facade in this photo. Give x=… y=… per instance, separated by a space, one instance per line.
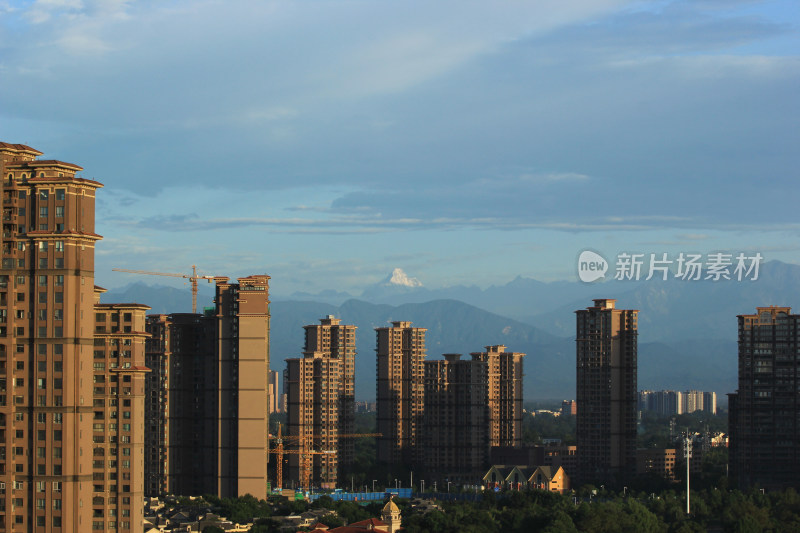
x=456 y=425
x=118 y=421
x=400 y=351
x=764 y=414
x=182 y=417
x=505 y=394
x=243 y=320
x=46 y=338
x=273 y=384
x=338 y=341
x=320 y=392
x=606 y=345
x=157 y=359
x=215 y=414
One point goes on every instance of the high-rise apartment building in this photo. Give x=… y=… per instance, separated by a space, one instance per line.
x=456 y=426
x=671 y=402
x=321 y=401
x=46 y=337
x=157 y=359
x=764 y=414
x=216 y=408
x=338 y=341
x=118 y=412
x=505 y=394
x=242 y=314
x=664 y=402
x=606 y=345
x=182 y=406
x=400 y=391
x=312 y=384
x=273 y=385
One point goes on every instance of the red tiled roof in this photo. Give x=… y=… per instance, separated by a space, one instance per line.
x=52 y=162
x=20 y=147
x=370 y=522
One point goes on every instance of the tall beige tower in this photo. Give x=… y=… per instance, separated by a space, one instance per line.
x=46 y=338
x=242 y=313
x=505 y=394
x=606 y=344
x=400 y=392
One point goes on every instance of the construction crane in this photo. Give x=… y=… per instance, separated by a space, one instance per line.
x=193 y=277
x=305 y=473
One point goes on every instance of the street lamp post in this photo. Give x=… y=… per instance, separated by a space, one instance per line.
x=688 y=455
x=373 y=484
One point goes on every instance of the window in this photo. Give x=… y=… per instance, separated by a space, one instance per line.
x=59 y=281
x=59 y=211
x=41 y=383
x=59 y=262
x=44 y=194
x=59 y=296
x=58 y=314
x=58 y=366
x=42 y=297
x=42 y=262
x=43 y=281
x=42 y=246
x=42 y=314
x=43 y=211
x=60 y=194
x=59 y=246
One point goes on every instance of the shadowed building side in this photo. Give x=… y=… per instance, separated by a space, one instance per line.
x=606 y=345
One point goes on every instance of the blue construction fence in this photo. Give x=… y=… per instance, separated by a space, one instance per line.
x=363 y=496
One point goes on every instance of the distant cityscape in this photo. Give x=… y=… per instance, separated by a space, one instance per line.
x=103 y=404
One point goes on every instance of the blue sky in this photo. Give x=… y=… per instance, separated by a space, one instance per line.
x=328 y=142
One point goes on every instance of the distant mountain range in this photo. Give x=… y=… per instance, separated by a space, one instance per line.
x=687 y=330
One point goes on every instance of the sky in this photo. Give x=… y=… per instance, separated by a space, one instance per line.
x=326 y=143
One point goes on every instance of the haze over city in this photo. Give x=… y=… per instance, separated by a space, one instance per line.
x=328 y=143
